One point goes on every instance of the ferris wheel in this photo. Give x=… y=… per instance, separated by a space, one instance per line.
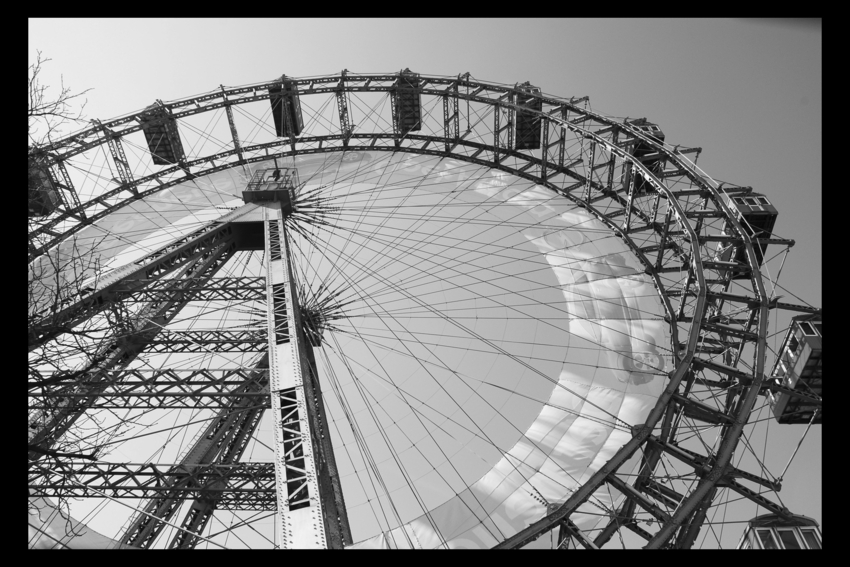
x=399 y=311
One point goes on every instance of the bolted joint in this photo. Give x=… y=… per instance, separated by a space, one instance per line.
x=641 y=431
x=715 y=474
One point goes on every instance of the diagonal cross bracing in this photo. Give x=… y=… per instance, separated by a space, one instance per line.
x=55 y=317
x=47 y=426
x=164 y=389
x=205 y=341
x=241 y=486
x=214 y=289
x=221 y=443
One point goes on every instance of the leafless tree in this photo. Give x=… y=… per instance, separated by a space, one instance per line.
x=48 y=114
x=55 y=279
x=59 y=371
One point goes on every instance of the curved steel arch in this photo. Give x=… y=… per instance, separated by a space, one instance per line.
x=68 y=147
x=531 y=168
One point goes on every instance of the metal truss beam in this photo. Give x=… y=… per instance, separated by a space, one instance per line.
x=48 y=426
x=649 y=461
x=691 y=527
x=732 y=239
x=695 y=409
x=341 y=85
x=755 y=497
x=163 y=389
x=632 y=493
x=125 y=174
x=810 y=397
x=451 y=118
x=237 y=146
x=570 y=528
x=306 y=143
x=214 y=289
x=627 y=222
x=63 y=181
x=503 y=129
x=232 y=450
x=241 y=486
x=702 y=464
x=724 y=330
x=724 y=369
x=662 y=493
x=58 y=319
x=345 y=126
x=753 y=302
x=635 y=528
x=222 y=443
x=621 y=517
x=209 y=341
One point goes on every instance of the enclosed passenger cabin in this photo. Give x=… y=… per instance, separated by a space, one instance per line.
x=757 y=216
x=286 y=108
x=799 y=366
x=772 y=531
x=648 y=156
x=527 y=122
x=161 y=134
x=275 y=184
x=43 y=197
x=407 y=106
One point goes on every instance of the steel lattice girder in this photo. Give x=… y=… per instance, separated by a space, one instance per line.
x=167 y=388
x=434 y=86
x=248 y=486
x=163 y=261
x=47 y=428
x=222 y=443
x=209 y=341
x=656 y=237
x=214 y=289
x=56 y=319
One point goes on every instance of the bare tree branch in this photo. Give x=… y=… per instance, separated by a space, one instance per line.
x=65 y=362
x=47 y=115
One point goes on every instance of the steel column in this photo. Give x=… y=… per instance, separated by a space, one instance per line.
x=307 y=508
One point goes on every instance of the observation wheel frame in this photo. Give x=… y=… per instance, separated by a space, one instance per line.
x=669 y=216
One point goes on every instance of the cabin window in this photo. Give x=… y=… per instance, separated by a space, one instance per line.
x=739 y=200
x=751 y=202
x=767 y=540
x=793 y=345
x=763 y=201
x=811 y=539
x=789 y=540
x=808 y=330
x=818 y=327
